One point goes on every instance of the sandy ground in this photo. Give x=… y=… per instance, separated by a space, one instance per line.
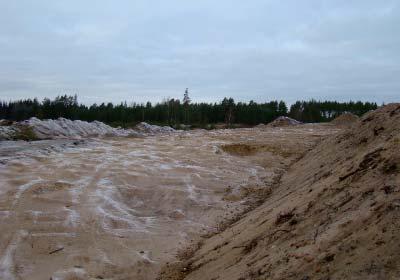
x=335 y=214
x=119 y=208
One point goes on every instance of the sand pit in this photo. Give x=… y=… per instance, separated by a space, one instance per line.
x=333 y=215
x=119 y=208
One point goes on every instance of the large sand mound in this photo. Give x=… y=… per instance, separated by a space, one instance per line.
x=345 y=119
x=334 y=215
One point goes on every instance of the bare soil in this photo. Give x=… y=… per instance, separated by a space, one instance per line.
x=345 y=119
x=334 y=215
x=119 y=208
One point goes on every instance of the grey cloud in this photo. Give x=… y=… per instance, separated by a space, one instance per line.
x=148 y=50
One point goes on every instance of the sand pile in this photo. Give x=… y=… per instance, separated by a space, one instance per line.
x=34 y=128
x=7 y=132
x=153 y=129
x=334 y=215
x=284 y=121
x=345 y=119
x=64 y=128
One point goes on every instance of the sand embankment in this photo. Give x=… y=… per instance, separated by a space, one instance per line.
x=334 y=215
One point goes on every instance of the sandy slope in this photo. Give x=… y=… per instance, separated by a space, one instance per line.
x=119 y=208
x=335 y=215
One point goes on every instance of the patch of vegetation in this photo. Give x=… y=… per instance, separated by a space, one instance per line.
x=25 y=133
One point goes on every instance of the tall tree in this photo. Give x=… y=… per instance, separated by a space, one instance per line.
x=186 y=103
x=282 y=108
x=228 y=104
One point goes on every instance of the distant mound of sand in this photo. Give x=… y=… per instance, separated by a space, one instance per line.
x=35 y=129
x=334 y=215
x=64 y=128
x=345 y=119
x=153 y=129
x=284 y=121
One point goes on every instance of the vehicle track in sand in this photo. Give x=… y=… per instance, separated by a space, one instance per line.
x=116 y=208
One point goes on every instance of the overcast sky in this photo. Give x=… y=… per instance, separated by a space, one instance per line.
x=139 y=50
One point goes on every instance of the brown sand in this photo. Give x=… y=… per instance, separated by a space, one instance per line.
x=345 y=119
x=334 y=215
x=121 y=208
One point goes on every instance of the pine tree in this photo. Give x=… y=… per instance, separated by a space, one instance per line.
x=282 y=109
x=186 y=103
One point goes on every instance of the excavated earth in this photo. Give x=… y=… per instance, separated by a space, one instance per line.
x=121 y=208
x=334 y=215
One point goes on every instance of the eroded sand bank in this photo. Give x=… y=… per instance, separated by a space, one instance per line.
x=119 y=208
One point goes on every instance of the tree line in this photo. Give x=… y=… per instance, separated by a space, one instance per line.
x=174 y=112
x=317 y=111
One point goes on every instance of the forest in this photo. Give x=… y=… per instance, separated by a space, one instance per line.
x=175 y=112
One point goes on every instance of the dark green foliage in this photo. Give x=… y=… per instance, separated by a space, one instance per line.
x=315 y=111
x=174 y=112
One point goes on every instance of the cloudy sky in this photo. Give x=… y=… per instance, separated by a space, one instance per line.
x=139 y=50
